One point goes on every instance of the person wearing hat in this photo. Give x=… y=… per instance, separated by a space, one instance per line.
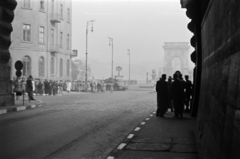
x=162 y=96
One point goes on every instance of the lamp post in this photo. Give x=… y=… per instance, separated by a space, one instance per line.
x=129 y=66
x=111 y=44
x=88 y=22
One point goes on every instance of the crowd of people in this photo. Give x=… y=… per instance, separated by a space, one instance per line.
x=175 y=94
x=52 y=87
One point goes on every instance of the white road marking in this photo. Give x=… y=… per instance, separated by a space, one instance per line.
x=110 y=157
x=130 y=136
x=147 y=118
x=151 y=115
x=143 y=123
x=154 y=112
x=21 y=108
x=137 y=129
x=33 y=106
x=121 y=146
x=4 y=111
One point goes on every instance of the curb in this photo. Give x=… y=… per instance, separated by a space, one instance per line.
x=21 y=108
x=116 y=152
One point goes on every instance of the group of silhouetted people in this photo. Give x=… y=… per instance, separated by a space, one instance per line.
x=174 y=94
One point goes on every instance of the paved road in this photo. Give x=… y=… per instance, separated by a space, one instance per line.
x=74 y=126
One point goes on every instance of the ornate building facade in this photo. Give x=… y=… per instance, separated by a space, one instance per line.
x=41 y=38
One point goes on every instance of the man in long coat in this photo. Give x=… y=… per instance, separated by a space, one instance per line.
x=29 y=88
x=177 y=94
x=162 y=96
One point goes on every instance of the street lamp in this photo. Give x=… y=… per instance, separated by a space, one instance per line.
x=129 y=66
x=111 y=44
x=88 y=22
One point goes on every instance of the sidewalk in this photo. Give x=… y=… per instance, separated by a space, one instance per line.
x=19 y=106
x=159 y=138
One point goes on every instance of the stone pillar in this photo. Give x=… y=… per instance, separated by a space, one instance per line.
x=6 y=17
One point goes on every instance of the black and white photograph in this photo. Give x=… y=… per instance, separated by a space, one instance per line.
x=119 y=79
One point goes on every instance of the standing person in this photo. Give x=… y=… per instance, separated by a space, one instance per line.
x=188 y=92
x=18 y=87
x=60 y=87
x=23 y=81
x=40 y=87
x=50 y=90
x=34 y=86
x=29 y=88
x=177 y=94
x=98 y=87
x=162 y=96
x=169 y=93
x=69 y=86
x=91 y=86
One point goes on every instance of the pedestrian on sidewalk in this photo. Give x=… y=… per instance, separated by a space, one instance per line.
x=188 y=92
x=177 y=94
x=29 y=88
x=162 y=96
x=18 y=89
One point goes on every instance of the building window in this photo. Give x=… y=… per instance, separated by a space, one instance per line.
x=68 y=41
x=41 y=67
x=61 y=39
x=42 y=7
x=41 y=34
x=26 y=32
x=68 y=68
x=68 y=15
x=26 y=4
x=61 y=68
x=52 y=66
x=26 y=66
x=61 y=11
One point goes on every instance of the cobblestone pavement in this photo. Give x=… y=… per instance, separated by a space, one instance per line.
x=75 y=125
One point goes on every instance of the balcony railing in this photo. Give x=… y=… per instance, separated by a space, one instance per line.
x=55 y=18
x=54 y=48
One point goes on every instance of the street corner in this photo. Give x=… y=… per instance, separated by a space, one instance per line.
x=17 y=108
x=119 y=149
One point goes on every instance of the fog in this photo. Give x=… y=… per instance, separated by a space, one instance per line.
x=141 y=26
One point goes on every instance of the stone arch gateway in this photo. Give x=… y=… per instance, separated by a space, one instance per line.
x=176 y=57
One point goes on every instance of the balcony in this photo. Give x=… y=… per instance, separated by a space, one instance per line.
x=54 y=48
x=55 y=18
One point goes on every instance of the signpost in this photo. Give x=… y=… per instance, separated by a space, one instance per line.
x=19 y=66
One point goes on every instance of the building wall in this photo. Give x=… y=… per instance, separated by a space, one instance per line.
x=218 y=129
x=34 y=49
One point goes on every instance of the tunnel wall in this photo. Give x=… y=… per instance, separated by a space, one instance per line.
x=218 y=119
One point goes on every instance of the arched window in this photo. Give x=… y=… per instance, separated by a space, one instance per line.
x=68 y=68
x=26 y=66
x=41 y=67
x=52 y=66
x=61 y=67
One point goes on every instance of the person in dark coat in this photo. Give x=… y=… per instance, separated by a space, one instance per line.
x=29 y=88
x=177 y=94
x=188 y=92
x=162 y=96
x=169 y=92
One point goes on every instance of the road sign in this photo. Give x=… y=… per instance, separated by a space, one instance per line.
x=119 y=68
x=18 y=73
x=18 y=65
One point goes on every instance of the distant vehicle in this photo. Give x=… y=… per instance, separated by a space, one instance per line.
x=119 y=87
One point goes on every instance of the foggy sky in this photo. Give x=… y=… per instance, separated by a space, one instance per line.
x=141 y=26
